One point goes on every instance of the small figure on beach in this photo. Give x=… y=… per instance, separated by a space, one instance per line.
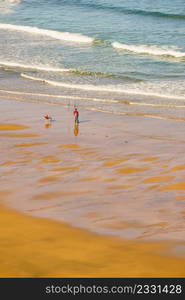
x=76 y=114
x=47 y=117
x=48 y=120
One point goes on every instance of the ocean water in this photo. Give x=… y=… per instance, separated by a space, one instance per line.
x=124 y=56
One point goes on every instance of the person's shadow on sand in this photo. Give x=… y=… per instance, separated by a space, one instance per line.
x=84 y=121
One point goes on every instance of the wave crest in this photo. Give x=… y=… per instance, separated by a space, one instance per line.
x=150 y=49
x=7 y=5
x=63 y=36
x=5 y=64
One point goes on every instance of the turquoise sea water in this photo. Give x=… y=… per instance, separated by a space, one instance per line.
x=126 y=48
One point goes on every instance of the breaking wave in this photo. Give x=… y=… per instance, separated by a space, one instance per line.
x=150 y=49
x=63 y=36
x=5 y=64
x=7 y=5
x=15 y=65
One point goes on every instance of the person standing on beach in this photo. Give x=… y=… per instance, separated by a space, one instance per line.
x=76 y=114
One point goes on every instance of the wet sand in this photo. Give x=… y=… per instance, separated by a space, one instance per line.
x=34 y=247
x=112 y=175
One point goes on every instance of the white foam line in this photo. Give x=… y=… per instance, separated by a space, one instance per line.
x=112 y=89
x=157 y=105
x=33 y=67
x=14 y=1
x=63 y=36
x=60 y=96
x=72 y=86
x=7 y=5
x=149 y=49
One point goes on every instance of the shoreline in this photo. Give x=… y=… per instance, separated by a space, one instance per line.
x=124 y=104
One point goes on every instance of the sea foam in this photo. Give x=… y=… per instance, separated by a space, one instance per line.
x=143 y=89
x=63 y=36
x=6 y=64
x=7 y=5
x=150 y=49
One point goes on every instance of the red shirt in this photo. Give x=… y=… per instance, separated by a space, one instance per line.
x=75 y=112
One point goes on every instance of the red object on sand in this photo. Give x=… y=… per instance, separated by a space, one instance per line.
x=46 y=117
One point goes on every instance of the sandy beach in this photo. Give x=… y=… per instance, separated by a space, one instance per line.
x=118 y=179
x=33 y=247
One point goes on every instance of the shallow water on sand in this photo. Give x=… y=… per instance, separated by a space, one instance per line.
x=118 y=180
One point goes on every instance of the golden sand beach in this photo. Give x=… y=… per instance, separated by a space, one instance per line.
x=100 y=200
x=34 y=247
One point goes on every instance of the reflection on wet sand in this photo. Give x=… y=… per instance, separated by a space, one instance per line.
x=12 y=127
x=49 y=159
x=21 y=135
x=76 y=129
x=177 y=186
x=69 y=146
x=96 y=184
x=47 y=125
x=28 y=145
x=59 y=172
x=159 y=179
